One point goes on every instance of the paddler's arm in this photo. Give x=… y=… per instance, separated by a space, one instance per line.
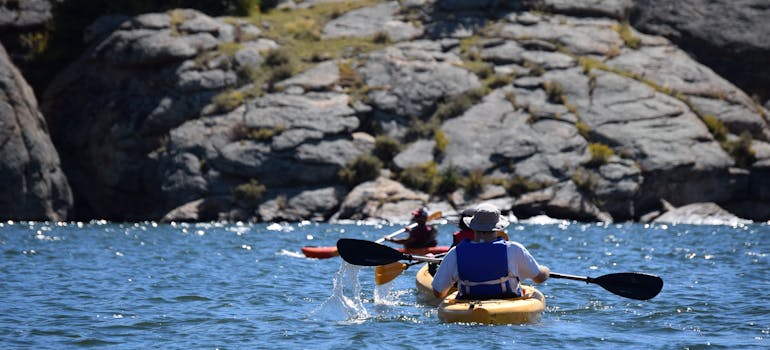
x=441 y=295
x=545 y=272
x=445 y=275
x=527 y=265
x=402 y=240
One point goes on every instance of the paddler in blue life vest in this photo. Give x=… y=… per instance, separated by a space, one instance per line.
x=465 y=232
x=488 y=266
x=422 y=235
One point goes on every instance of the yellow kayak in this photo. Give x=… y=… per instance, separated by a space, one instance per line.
x=526 y=309
x=424 y=290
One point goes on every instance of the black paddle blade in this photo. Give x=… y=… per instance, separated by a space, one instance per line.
x=639 y=286
x=367 y=253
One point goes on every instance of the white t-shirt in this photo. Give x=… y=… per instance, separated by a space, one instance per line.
x=520 y=263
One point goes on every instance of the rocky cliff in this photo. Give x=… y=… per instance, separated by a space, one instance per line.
x=34 y=186
x=544 y=107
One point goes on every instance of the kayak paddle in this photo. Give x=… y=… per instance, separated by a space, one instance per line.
x=367 y=253
x=386 y=273
x=632 y=285
x=330 y=252
x=433 y=216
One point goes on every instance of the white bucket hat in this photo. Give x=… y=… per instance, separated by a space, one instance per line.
x=486 y=218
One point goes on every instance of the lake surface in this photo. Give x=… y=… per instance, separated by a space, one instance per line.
x=230 y=286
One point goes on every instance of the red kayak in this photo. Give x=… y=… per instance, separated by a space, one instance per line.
x=320 y=252
x=330 y=252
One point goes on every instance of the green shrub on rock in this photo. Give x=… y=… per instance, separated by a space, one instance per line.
x=600 y=153
x=248 y=194
x=441 y=140
x=741 y=150
x=518 y=185
x=364 y=168
x=424 y=177
x=474 y=182
x=716 y=127
x=386 y=148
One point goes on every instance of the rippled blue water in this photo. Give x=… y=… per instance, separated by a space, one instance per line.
x=227 y=286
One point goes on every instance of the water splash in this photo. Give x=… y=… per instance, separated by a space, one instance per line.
x=290 y=253
x=382 y=294
x=339 y=306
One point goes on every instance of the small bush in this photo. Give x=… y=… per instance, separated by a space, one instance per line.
x=600 y=153
x=555 y=92
x=741 y=150
x=381 y=38
x=419 y=128
x=583 y=129
x=628 y=36
x=519 y=185
x=280 y=73
x=242 y=132
x=716 y=127
x=482 y=69
x=424 y=177
x=265 y=134
x=441 y=140
x=248 y=194
x=495 y=81
x=34 y=43
x=585 y=180
x=386 y=148
x=474 y=182
x=349 y=76
x=534 y=68
x=228 y=100
x=278 y=57
x=229 y=49
x=450 y=180
x=459 y=104
x=304 y=29
x=364 y=168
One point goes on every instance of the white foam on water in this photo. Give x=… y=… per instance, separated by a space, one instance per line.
x=289 y=253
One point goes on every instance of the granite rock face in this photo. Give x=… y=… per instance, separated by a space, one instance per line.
x=17 y=15
x=571 y=113
x=730 y=36
x=34 y=185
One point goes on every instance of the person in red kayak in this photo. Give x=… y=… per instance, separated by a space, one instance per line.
x=421 y=236
x=488 y=266
x=465 y=232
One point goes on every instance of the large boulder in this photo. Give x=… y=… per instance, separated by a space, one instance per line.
x=728 y=36
x=700 y=214
x=24 y=14
x=409 y=79
x=35 y=188
x=383 y=199
x=142 y=133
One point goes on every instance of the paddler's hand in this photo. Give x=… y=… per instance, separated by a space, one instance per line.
x=545 y=272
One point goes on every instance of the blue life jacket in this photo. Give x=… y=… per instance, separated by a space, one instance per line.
x=483 y=273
